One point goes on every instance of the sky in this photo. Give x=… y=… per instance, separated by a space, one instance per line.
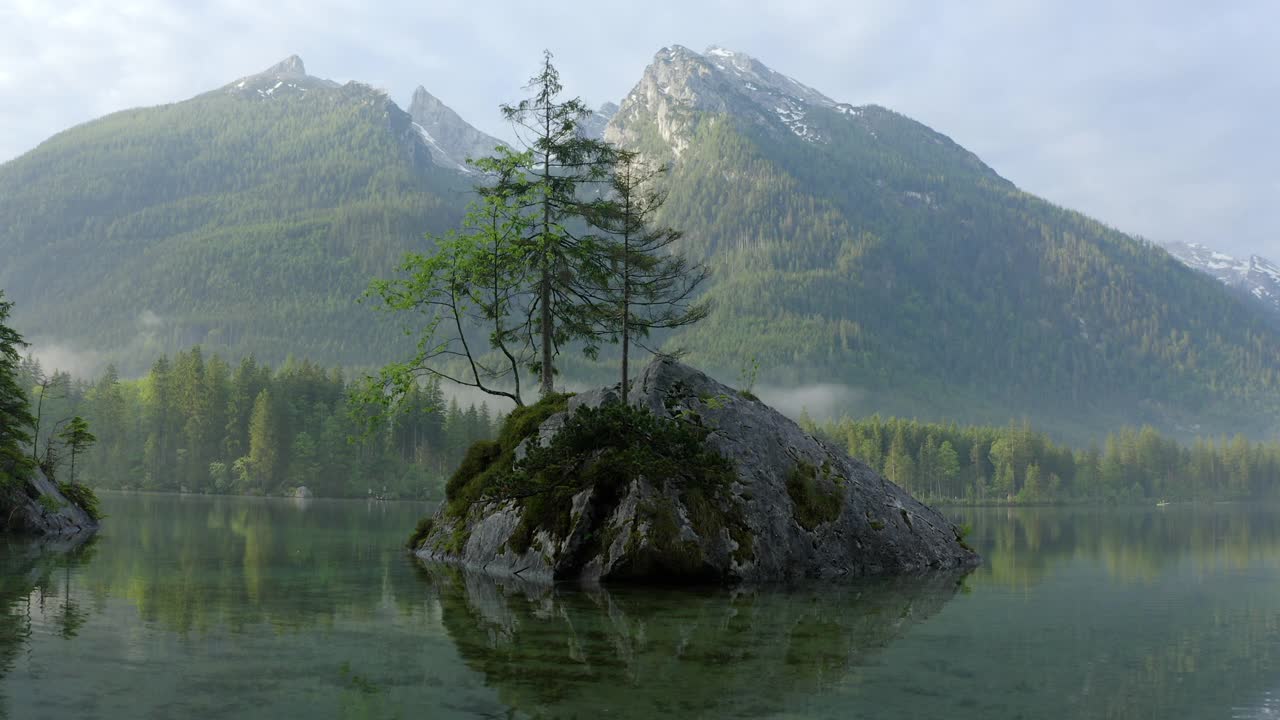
x=1158 y=118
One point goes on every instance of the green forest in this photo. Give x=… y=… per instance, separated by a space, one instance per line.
x=230 y=221
x=198 y=424
x=1018 y=464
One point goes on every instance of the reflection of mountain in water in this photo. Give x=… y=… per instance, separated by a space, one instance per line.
x=678 y=653
x=35 y=579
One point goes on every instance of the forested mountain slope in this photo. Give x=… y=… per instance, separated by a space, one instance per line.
x=853 y=244
x=248 y=218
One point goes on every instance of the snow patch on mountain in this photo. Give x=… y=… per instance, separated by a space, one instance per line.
x=681 y=83
x=1254 y=275
x=287 y=77
x=450 y=139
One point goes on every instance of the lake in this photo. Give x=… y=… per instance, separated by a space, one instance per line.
x=188 y=606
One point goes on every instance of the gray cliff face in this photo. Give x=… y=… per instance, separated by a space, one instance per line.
x=680 y=87
x=450 y=138
x=869 y=526
x=594 y=125
x=27 y=514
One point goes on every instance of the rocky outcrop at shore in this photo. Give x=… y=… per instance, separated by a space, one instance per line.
x=786 y=505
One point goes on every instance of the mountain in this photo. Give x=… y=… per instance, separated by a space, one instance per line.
x=860 y=256
x=853 y=245
x=1255 y=276
x=248 y=218
x=595 y=124
x=449 y=137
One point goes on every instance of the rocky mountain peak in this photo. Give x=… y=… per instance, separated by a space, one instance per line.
x=1256 y=275
x=289 y=67
x=450 y=138
x=680 y=82
x=287 y=77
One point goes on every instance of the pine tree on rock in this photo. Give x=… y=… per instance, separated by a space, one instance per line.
x=650 y=288
x=565 y=256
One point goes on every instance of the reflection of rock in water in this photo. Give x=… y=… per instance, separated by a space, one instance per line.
x=27 y=564
x=642 y=652
x=1268 y=707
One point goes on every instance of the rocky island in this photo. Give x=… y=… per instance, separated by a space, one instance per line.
x=39 y=507
x=689 y=481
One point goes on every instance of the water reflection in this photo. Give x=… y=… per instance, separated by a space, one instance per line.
x=559 y=652
x=242 y=608
x=1021 y=546
x=36 y=586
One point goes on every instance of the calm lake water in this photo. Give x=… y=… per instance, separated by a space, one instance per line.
x=244 y=608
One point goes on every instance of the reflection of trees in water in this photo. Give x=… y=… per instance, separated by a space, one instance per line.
x=194 y=563
x=649 y=653
x=1021 y=545
x=35 y=584
x=1128 y=613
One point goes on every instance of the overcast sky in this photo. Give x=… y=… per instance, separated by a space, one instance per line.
x=1159 y=118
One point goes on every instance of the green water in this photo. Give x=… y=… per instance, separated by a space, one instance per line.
x=241 y=608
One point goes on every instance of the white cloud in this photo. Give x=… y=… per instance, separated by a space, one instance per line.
x=1156 y=117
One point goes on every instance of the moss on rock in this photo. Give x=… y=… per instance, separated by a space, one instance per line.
x=815 y=497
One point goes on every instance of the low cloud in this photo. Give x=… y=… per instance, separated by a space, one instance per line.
x=56 y=356
x=821 y=401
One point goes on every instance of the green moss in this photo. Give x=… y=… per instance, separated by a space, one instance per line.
x=420 y=533
x=962 y=532
x=49 y=504
x=749 y=395
x=478 y=459
x=877 y=525
x=815 y=499
x=488 y=464
x=604 y=449
x=667 y=554
x=82 y=496
x=711 y=513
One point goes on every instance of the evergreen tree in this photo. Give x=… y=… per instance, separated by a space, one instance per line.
x=15 y=412
x=567 y=260
x=650 y=288
x=263 y=451
x=76 y=438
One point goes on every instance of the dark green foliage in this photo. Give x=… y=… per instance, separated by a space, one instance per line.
x=605 y=449
x=815 y=497
x=524 y=421
x=421 y=532
x=15 y=413
x=83 y=496
x=486 y=467
x=479 y=458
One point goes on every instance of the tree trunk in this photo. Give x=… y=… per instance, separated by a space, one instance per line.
x=626 y=296
x=544 y=300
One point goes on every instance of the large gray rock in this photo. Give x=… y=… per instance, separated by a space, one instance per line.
x=797 y=508
x=38 y=508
